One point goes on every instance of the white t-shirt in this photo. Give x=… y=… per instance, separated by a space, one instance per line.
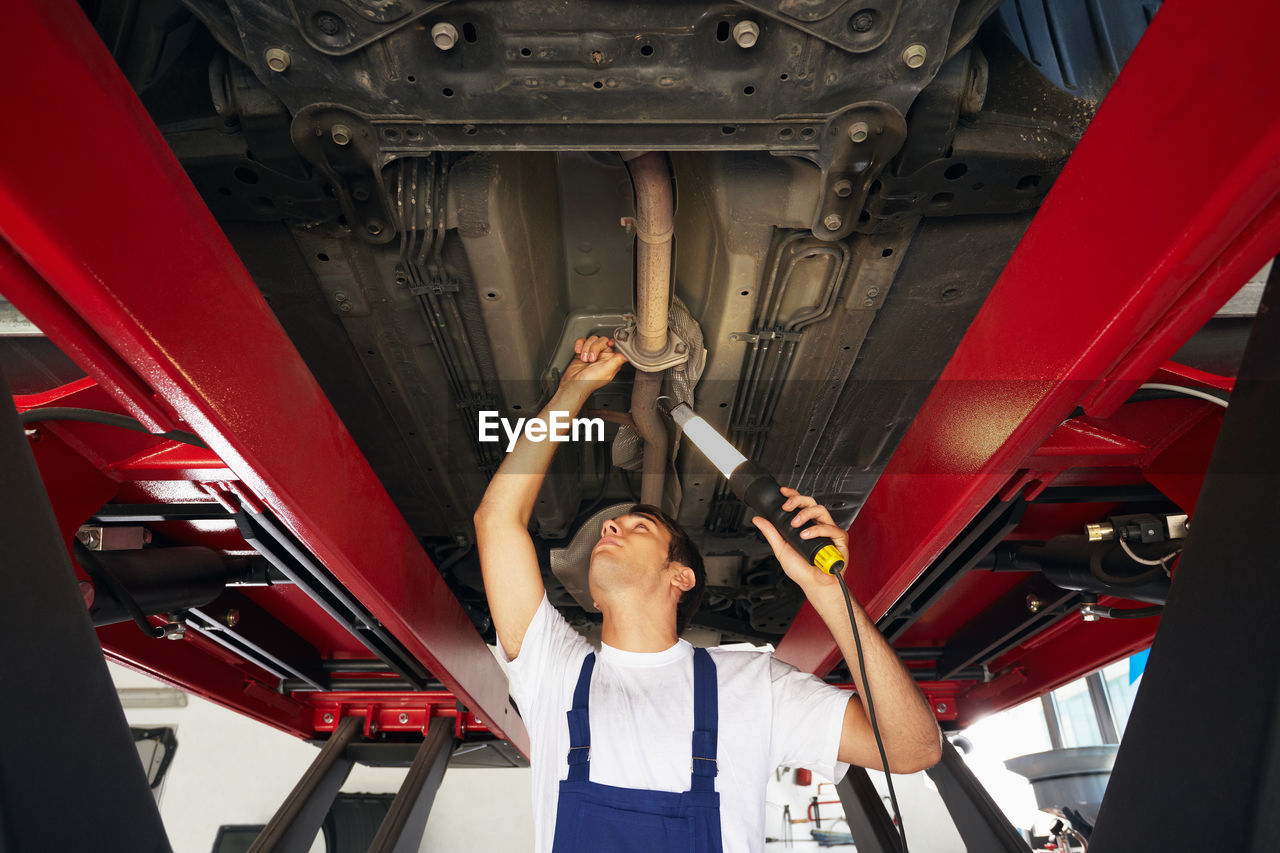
x=641 y=711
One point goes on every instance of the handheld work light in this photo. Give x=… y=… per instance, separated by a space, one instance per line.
x=754 y=486
x=757 y=488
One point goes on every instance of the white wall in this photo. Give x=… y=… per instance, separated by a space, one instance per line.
x=929 y=827
x=229 y=769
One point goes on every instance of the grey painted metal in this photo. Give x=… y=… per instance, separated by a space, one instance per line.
x=402 y=828
x=294 y=826
x=1102 y=708
x=1051 y=720
x=980 y=822
x=1199 y=768
x=70 y=778
x=872 y=828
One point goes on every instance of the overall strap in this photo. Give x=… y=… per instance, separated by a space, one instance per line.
x=580 y=724
x=706 y=721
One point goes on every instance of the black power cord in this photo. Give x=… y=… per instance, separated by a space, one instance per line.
x=93 y=416
x=1129 y=613
x=871 y=710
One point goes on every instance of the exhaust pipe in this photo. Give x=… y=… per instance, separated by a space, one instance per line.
x=655 y=223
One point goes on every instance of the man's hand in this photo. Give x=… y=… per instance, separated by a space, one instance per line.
x=593 y=366
x=913 y=742
x=797 y=567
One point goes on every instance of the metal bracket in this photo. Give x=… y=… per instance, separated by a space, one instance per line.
x=1092 y=612
x=434 y=287
x=99 y=538
x=859 y=145
x=765 y=335
x=676 y=353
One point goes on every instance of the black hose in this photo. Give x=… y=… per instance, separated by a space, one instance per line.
x=93 y=416
x=94 y=569
x=1133 y=612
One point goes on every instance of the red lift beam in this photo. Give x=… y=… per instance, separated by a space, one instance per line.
x=121 y=262
x=1166 y=207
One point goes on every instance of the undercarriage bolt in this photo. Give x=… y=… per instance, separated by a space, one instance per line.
x=833 y=222
x=863 y=21
x=941 y=707
x=328 y=23
x=174 y=631
x=231 y=618
x=444 y=35
x=622 y=336
x=858 y=131
x=681 y=347
x=746 y=33
x=915 y=55
x=340 y=134
x=843 y=188
x=1034 y=604
x=403 y=718
x=277 y=60
x=328 y=718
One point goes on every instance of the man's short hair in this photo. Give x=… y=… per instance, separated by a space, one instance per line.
x=683 y=551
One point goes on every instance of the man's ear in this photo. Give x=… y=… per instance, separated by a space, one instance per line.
x=683 y=577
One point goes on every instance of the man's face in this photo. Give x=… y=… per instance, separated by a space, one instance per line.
x=632 y=551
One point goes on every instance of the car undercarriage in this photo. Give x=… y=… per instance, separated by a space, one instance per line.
x=434 y=201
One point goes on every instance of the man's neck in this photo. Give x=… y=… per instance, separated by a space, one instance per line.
x=639 y=631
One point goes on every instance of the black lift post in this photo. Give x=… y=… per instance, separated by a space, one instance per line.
x=70 y=776
x=402 y=829
x=980 y=822
x=293 y=828
x=1199 y=766
x=869 y=823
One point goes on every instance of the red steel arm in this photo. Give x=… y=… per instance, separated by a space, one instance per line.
x=1166 y=207
x=95 y=204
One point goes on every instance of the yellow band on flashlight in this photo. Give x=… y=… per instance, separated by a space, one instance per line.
x=828 y=558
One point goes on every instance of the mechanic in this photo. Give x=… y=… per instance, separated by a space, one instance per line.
x=651 y=744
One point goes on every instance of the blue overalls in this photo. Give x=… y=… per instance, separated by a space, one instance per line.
x=593 y=817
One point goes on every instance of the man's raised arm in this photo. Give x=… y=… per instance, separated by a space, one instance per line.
x=910 y=733
x=508 y=561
